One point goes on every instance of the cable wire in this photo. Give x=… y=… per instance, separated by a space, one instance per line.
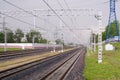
x=26 y=11
x=65 y=11
x=60 y=18
x=54 y=12
x=71 y=12
x=21 y=20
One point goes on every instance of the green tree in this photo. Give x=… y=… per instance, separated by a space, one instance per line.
x=42 y=40
x=33 y=34
x=1 y=37
x=59 y=41
x=112 y=30
x=10 y=36
x=18 y=35
x=103 y=35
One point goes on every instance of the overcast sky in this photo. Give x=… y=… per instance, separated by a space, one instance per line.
x=83 y=20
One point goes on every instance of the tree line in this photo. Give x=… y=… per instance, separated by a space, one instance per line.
x=19 y=36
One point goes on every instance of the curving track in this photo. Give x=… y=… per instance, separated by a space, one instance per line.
x=57 y=67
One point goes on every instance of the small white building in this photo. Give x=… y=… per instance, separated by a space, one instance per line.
x=109 y=47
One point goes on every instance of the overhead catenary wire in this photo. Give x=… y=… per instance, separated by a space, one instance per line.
x=21 y=20
x=36 y=15
x=60 y=18
x=65 y=11
x=12 y=27
x=71 y=12
x=27 y=11
x=109 y=1
x=67 y=15
x=2 y=6
x=54 y=11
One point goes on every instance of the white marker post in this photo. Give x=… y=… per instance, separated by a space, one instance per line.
x=91 y=41
x=94 y=42
x=100 y=37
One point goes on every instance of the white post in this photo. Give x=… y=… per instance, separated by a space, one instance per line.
x=91 y=41
x=33 y=41
x=100 y=38
x=62 y=33
x=5 y=35
x=34 y=22
x=94 y=43
x=34 y=18
x=47 y=40
x=47 y=18
x=62 y=43
x=54 y=42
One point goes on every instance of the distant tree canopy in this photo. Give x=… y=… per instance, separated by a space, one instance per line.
x=42 y=40
x=1 y=37
x=10 y=36
x=33 y=34
x=18 y=35
x=59 y=41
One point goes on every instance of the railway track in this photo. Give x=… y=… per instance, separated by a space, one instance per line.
x=51 y=68
x=61 y=72
x=15 y=54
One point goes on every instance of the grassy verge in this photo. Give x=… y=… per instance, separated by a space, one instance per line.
x=109 y=69
x=10 y=49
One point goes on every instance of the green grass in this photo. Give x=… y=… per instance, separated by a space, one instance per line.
x=109 y=69
x=10 y=49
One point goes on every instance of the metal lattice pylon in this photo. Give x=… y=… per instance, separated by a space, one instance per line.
x=112 y=19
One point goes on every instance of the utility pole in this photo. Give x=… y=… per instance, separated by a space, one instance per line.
x=34 y=18
x=5 y=35
x=54 y=42
x=47 y=18
x=62 y=33
x=62 y=43
x=34 y=23
x=113 y=20
x=33 y=40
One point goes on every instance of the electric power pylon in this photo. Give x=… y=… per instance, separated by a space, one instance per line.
x=112 y=20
